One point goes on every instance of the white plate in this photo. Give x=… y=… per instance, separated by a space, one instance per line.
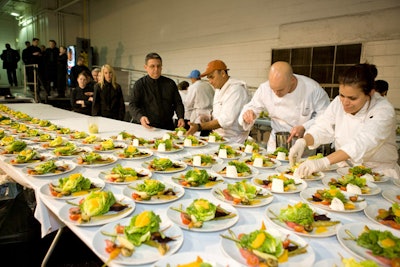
x=45 y=190
x=142 y=171
x=143 y=254
x=209 y=226
x=260 y=202
x=277 y=163
x=230 y=248
x=80 y=150
x=242 y=148
x=8 y=160
x=238 y=154
x=173 y=149
x=374 y=189
x=286 y=170
x=276 y=209
x=201 y=144
x=264 y=176
x=63 y=213
x=351 y=246
x=183 y=165
x=307 y=193
x=206 y=138
x=218 y=180
x=148 y=154
x=345 y=170
x=117 y=146
x=180 y=259
x=189 y=161
x=179 y=192
x=372 y=211
x=71 y=167
x=391 y=195
x=95 y=165
x=219 y=167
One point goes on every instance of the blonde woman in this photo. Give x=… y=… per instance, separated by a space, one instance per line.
x=108 y=100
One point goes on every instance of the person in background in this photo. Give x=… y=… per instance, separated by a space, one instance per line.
x=96 y=77
x=10 y=59
x=62 y=60
x=25 y=53
x=230 y=97
x=108 y=100
x=155 y=98
x=50 y=58
x=199 y=100
x=34 y=55
x=292 y=101
x=78 y=68
x=183 y=91
x=382 y=87
x=82 y=95
x=361 y=123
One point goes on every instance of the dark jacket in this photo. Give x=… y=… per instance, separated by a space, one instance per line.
x=10 y=58
x=158 y=100
x=79 y=94
x=108 y=102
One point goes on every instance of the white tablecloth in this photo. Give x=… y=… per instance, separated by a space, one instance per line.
x=47 y=208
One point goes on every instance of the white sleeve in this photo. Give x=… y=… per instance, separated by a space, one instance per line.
x=234 y=100
x=256 y=105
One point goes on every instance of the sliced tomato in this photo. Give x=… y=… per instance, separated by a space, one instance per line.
x=185 y=218
x=251 y=259
x=135 y=196
x=110 y=246
x=227 y=195
x=119 y=229
x=381 y=259
x=74 y=217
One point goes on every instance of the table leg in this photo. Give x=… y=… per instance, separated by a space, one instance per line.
x=52 y=246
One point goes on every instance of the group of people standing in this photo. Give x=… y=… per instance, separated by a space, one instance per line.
x=359 y=122
x=49 y=64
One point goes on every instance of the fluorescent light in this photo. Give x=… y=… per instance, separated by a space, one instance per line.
x=14 y=14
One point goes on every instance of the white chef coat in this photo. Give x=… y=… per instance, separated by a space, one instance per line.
x=368 y=137
x=299 y=107
x=228 y=102
x=199 y=100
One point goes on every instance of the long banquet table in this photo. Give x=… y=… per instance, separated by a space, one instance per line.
x=208 y=243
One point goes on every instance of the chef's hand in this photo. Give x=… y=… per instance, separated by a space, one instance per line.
x=144 y=121
x=249 y=116
x=296 y=151
x=181 y=123
x=296 y=131
x=310 y=166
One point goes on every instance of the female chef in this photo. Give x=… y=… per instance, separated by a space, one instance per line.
x=361 y=124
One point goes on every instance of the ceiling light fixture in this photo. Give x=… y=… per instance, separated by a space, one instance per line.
x=14 y=14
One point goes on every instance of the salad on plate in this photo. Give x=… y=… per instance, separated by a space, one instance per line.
x=132 y=152
x=279 y=183
x=69 y=150
x=97 y=206
x=200 y=212
x=261 y=161
x=203 y=160
x=108 y=145
x=353 y=184
x=27 y=156
x=235 y=169
x=124 y=175
x=138 y=240
x=371 y=242
x=333 y=199
x=363 y=171
x=191 y=141
x=228 y=152
x=242 y=193
x=165 y=165
x=302 y=219
x=387 y=216
x=153 y=191
x=93 y=159
x=265 y=247
x=73 y=186
x=198 y=178
x=50 y=167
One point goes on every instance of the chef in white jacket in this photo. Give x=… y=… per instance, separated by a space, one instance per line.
x=230 y=97
x=292 y=101
x=360 y=122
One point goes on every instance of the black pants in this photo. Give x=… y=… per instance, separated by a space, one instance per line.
x=12 y=76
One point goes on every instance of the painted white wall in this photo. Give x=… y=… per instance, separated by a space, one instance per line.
x=188 y=34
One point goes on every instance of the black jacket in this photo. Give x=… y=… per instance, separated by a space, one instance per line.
x=10 y=58
x=158 y=100
x=108 y=102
